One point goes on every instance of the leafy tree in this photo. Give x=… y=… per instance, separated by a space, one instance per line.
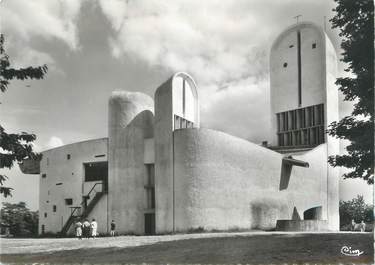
x=357 y=210
x=355 y=19
x=19 y=219
x=15 y=147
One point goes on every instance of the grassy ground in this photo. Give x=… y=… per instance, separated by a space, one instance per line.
x=254 y=248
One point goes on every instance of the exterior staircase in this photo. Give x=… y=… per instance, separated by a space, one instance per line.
x=87 y=208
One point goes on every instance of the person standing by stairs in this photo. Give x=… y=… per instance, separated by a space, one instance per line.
x=79 y=230
x=86 y=229
x=94 y=228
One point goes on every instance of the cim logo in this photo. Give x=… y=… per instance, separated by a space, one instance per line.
x=348 y=251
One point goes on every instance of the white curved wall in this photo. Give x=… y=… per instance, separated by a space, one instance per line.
x=223 y=182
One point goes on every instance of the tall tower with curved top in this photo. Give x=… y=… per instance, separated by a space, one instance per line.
x=176 y=107
x=304 y=98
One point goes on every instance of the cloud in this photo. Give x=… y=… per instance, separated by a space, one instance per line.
x=24 y=21
x=115 y=10
x=44 y=18
x=241 y=111
x=212 y=41
x=54 y=141
x=28 y=57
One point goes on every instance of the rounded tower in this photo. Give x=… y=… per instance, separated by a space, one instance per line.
x=130 y=122
x=304 y=101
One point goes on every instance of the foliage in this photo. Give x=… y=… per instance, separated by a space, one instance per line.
x=355 y=19
x=20 y=220
x=357 y=210
x=15 y=147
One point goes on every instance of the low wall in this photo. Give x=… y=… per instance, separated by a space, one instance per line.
x=302 y=225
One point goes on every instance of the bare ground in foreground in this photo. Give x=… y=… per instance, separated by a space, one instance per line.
x=235 y=248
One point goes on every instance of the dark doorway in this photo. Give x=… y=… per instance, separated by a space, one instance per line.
x=97 y=171
x=149 y=223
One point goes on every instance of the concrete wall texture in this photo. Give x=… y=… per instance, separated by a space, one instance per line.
x=169 y=101
x=205 y=178
x=130 y=122
x=224 y=182
x=62 y=178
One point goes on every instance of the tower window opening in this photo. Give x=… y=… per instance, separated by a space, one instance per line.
x=291 y=46
x=181 y=123
x=54 y=208
x=68 y=156
x=314 y=45
x=301 y=127
x=285 y=65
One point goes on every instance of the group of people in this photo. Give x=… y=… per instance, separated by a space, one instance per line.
x=86 y=229
x=361 y=226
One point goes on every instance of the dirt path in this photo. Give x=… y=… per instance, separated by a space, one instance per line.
x=234 y=248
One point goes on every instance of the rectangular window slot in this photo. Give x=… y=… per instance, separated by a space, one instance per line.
x=44 y=176
x=69 y=201
x=58 y=184
x=100 y=156
x=45 y=215
x=68 y=156
x=314 y=45
x=150 y=186
x=54 y=208
x=181 y=123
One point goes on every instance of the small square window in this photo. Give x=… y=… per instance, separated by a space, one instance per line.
x=45 y=215
x=314 y=45
x=291 y=46
x=54 y=208
x=69 y=201
x=285 y=65
x=44 y=176
x=68 y=156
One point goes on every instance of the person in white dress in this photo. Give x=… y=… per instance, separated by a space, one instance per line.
x=94 y=228
x=79 y=230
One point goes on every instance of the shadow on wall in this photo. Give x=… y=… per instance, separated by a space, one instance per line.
x=265 y=213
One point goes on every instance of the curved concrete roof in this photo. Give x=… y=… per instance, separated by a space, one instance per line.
x=80 y=142
x=187 y=77
x=132 y=97
x=296 y=26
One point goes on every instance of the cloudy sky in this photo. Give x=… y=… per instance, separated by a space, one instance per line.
x=93 y=47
